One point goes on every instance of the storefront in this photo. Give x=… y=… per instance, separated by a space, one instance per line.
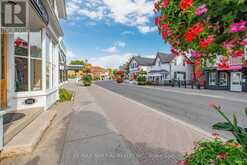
x=32 y=60
x=225 y=79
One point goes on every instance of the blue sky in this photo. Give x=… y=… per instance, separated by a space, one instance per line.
x=108 y=32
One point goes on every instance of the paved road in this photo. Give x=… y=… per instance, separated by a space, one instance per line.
x=193 y=109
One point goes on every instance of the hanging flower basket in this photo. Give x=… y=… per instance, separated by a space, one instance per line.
x=208 y=27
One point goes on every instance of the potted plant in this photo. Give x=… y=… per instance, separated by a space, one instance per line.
x=141 y=80
x=87 y=80
x=119 y=76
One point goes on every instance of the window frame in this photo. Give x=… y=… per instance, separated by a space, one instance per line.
x=29 y=59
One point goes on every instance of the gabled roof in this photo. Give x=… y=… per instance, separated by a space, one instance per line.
x=164 y=57
x=143 y=61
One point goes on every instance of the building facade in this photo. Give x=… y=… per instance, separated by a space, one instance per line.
x=138 y=64
x=30 y=59
x=227 y=74
x=167 y=67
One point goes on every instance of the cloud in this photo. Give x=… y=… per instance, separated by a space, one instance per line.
x=114 y=48
x=135 y=13
x=110 y=61
x=127 y=33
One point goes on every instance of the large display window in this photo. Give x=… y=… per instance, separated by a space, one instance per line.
x=28 y=61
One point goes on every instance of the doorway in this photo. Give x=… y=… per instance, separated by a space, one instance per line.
x=236 y=79
x=3 y=71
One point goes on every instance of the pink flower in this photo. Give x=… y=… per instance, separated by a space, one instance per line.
x=238 y=27
x=196 y=54
x=165 y=3
x=238 y=53
x=244 y=42
x=201 y=10
x=182 y=162
x=216 y=135
x=213 y=105
x=229 y=44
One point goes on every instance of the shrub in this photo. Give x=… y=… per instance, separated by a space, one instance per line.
x=209 y=152
x=141 y=80
x=64 y=95
x=87 y=80
x=238 y=132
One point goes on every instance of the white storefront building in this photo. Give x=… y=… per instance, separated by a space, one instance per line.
x=32 y=74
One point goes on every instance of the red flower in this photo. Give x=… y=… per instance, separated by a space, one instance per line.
x=182 y=162
x=165 y=3
x=238 y=53
x=193 y=32
x=185 y=4
x=156 y=20
x=204 y=43
x=245 y=63
x=221 y=156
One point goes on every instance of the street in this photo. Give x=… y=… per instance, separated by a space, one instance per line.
x=193 y=109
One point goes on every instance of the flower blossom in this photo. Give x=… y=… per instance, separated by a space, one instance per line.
x=156 y=20
x=193 y=32
x=185 y=4
x=221 y=156
x=165 y=3
x=244 y=42
x=201 y=10
x=195 y=54
x=204 y=43
x=182 y=162
x=238 y=27
x=238 y=53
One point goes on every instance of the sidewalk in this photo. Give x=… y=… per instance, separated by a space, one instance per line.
x=80 y=134
x=156 y=138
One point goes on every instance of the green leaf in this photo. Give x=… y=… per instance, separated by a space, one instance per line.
x=235 y=122
x=223 y=126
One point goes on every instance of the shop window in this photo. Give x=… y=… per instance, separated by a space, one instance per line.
x=28 y=61
x=36 y=60
x=223 y=79
x=21 y=61
x=21 y=74
x=212 y=78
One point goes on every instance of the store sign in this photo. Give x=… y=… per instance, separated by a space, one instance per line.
x=14 y=15
x=30 y=101
x=38 y=5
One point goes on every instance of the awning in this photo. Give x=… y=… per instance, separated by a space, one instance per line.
x=231 y=67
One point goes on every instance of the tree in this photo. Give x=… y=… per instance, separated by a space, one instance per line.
x=77 y=62
x=203 y=29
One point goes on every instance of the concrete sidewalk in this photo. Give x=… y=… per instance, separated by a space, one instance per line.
x=156 y=138
x=80 y=134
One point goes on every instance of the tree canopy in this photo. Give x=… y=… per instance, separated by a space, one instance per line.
x=77 y=62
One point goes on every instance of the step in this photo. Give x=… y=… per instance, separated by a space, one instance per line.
x=25 y=141
x=25 y=118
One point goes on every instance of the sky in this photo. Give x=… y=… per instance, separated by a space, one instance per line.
x=108 y=32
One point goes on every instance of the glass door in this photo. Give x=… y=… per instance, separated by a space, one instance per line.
x=236 y=79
